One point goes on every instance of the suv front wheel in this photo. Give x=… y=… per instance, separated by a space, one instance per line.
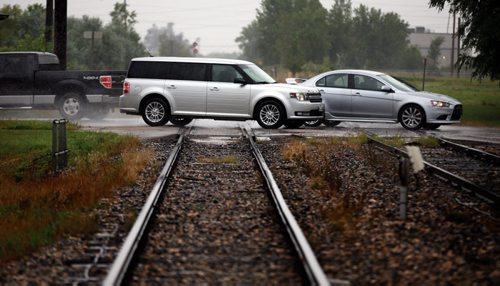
x=270 y=114
x=156 y=112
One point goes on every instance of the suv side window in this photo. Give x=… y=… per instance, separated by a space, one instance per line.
x=366 y=83
x=188 y=71
x=225 y=73
x=153 y=70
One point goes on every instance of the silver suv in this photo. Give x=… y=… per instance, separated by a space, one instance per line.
x=180 y=89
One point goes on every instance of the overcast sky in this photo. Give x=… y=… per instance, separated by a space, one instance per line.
x=218 y=23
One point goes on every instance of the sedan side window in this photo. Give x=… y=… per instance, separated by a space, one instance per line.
x=321 y=82
x=337 y=80
x=225 y=73
x=366 y=83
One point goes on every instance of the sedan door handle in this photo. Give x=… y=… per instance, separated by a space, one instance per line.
x=357 y=93
x=321 y=90
x=171 y=86
x=214 y=88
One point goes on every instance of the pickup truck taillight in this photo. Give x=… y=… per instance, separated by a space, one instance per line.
x=126 y=87
x=106 y=81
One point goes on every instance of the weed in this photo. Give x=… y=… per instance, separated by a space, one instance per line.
x=222 y=160
x=428 y=141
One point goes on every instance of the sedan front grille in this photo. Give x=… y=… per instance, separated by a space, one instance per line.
x=457 y=112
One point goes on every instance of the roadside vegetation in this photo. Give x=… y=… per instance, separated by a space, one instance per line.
x=38 y=206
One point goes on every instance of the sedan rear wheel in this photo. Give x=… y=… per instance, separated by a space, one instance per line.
x=412 y=117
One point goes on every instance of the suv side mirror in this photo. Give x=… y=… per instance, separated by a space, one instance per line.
x=386 y=88
x=240 y=81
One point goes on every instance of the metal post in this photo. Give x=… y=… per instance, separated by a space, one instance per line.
x=54 y=146
x=59 y=145
x=404 y=177
x=49 y=24
x=423 y=79
x=458 y=46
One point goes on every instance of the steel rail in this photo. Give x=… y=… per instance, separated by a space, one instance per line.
x=122 y=262
x=489 y=196
x=313 y=270
x=494 y=159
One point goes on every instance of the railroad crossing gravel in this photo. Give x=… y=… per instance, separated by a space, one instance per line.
x=216 y=224
x=358 y=236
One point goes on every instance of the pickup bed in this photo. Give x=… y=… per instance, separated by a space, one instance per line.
x=34 y=79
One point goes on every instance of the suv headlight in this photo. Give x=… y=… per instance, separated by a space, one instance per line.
x=300 y=96
x=437 y=103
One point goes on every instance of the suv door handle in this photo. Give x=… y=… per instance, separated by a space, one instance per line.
x=214 y=88
x=171 y=86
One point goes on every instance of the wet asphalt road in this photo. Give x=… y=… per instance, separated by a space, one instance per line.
x=134 y=125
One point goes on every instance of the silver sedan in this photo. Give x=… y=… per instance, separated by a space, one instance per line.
x=370 y=96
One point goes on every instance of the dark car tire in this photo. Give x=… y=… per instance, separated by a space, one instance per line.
x=294 y=124
x=331 y=123
x=156 y=112
x=270 y=114
x=180 y=121
x=314 y=123
x=412 y=117
x=72 y=106
x=431 y=126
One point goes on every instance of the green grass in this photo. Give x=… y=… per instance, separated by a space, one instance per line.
x=481 y=99
x=38 y=206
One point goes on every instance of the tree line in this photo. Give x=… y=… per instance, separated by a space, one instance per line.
x=295 y=33
x=90 y=43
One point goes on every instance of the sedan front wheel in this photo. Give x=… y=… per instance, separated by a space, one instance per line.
x=412 y=117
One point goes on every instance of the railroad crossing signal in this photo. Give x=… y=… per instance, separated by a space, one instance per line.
x=194 y=48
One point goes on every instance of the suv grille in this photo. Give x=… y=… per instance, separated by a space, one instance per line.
x=457 y=112
x=314 y=97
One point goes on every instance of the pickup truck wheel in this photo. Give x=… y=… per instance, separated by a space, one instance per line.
x=156 y=112
x=180 y=121
x=72 y=106
x=270 y=114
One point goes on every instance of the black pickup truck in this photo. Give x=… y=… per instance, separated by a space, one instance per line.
x=34 y=79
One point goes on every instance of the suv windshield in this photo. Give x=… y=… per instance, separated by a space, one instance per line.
x=398 y=83
x=256 y=74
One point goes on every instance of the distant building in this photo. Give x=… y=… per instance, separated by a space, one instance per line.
x=422 y=38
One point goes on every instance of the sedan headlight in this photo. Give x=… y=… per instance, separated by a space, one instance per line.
x=300 y=96
x=437 y=103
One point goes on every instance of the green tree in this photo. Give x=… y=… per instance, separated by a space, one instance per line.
x=165 y=42
x=480 y=34
x=434 y=52
x=248 y=42
x=288 y=32
x=23 y=30
x=339 y=30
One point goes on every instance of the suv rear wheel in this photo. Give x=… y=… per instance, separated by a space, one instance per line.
x=270 y=114
x=156 y=112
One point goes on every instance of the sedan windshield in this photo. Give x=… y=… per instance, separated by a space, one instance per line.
x=256 y=74
x=398 y=83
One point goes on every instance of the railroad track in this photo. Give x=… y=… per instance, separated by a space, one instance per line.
x=477 y=172
x=213 y=218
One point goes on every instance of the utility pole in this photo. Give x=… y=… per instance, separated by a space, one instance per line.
x=452 y=64
x=60 y=31
x=458 y=46
x=49 y=24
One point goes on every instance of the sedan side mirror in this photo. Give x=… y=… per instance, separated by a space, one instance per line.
x=386 y=88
